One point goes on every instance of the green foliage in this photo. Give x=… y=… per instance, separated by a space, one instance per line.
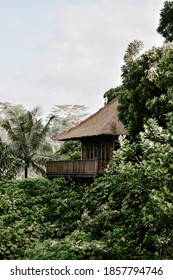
x=8 y=163
x=147 y=82
x=165 y=27
x=133 y=50
x=69 y=150
x=130 y=208
x=20 y=217
x=76 y=246
x=27 y=134
x=28 y=143
x=125 y=214
x=35 y=210
x=112 y=93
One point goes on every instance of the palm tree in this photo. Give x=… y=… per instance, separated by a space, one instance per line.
x=27 y=134
x=8 y=163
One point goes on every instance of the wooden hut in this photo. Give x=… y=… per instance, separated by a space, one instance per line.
x=98 y=135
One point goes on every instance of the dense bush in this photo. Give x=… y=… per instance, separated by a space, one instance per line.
x=32 y=211
x=131 y=208
x=125 y=214
x=76 y=246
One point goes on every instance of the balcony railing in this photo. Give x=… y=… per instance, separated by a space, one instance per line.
x=75 y=168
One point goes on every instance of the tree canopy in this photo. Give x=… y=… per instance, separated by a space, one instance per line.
x=66 y=116
x=112 y=93
x=147 y=80
x=148 y=88
x=165 y=27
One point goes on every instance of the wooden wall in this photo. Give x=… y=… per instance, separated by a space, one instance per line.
x=98 y=148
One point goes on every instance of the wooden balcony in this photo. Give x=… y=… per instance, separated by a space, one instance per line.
x=75 y=168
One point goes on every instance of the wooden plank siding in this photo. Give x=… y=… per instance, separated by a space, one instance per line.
x=75 y=168
x=98 y=148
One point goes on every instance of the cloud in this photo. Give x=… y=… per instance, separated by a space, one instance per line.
x=79 y=51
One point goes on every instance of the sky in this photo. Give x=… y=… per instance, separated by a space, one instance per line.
x=56 y=52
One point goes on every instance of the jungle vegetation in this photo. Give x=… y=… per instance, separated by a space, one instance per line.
x=125 y=214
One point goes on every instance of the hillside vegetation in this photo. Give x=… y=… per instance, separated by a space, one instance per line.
x=125 y=214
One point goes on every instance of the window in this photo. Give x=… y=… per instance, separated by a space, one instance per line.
x=103 y=150
x=97 y=150
x=92 y=150
x=88 y=151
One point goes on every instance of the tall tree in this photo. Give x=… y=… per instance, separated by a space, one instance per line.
x=165 y=27
x=8 y=163
x=27 y=134
x=66 y=116
x=148 y=88
x=112 y=93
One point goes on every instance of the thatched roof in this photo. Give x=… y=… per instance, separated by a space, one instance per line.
x=103 y=122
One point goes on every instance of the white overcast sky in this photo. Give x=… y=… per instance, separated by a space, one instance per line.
x=69 y=51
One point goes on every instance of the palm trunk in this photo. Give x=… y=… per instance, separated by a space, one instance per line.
x=26 y=171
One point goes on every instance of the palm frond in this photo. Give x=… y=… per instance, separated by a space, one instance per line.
x=38 y=168
x=27 y=134
x=36 y=112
